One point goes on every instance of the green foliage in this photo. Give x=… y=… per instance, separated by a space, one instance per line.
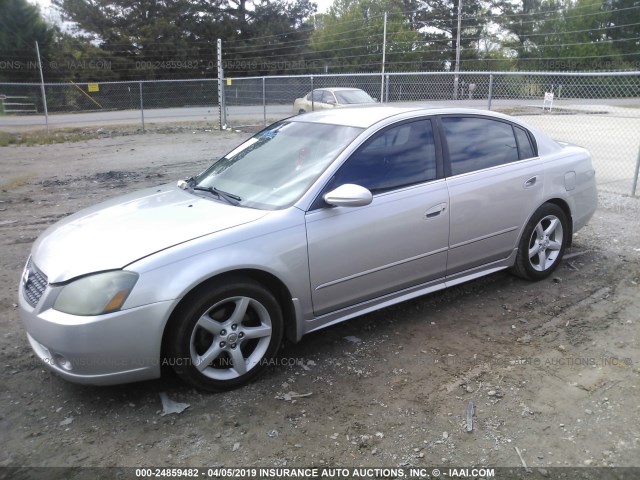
x=152 y=39
x=566 y=35
x=622 y=21
x=274 y=40
x=168 y=39
x=76 y=59
x=350 y=37
x=20 y=27
x=440 y=19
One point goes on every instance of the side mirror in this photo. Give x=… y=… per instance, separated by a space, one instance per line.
x=348 y=195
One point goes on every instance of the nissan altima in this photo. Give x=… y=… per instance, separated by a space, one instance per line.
x=314 y=220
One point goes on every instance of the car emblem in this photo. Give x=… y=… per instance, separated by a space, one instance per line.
x=25 y=277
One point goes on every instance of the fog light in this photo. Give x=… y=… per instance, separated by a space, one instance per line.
x=62 y=362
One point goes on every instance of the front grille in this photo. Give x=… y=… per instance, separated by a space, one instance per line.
x=34 y=282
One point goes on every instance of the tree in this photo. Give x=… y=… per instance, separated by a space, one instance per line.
x=274 y=42
x=571 y=35
x=622 y=21
x=177 y=38
x=349 y=38
x=439 y=20
x=22 y=27
x=76 y=59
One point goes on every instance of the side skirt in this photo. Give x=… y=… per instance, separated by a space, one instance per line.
x=308 y=326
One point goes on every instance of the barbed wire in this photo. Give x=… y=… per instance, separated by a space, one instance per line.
x=299 y=55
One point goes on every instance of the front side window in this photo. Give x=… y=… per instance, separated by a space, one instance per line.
x=476 y=143
x=396 y=157
x=275 y=167
x=317 y=95
x=327 y=97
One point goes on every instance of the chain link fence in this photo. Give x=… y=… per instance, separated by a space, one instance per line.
x=600 y=111
x=107 y=103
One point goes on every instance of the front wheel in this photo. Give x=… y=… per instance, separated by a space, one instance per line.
x=301 y=111
x=226 y=335
x=543 y=243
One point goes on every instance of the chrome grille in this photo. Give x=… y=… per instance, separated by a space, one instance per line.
x=34 y=282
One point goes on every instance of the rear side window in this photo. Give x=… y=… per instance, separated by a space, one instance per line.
x=478 y=143
x=524 y=144
x=394 y=158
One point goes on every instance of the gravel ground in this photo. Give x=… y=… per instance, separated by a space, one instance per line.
x=551 y=367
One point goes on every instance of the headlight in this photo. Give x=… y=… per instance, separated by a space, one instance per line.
x=96 y=294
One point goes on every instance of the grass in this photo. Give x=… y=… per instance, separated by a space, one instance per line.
x=39 y=138
x=63 y=135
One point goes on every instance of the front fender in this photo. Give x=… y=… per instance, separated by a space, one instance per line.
x=275 y=245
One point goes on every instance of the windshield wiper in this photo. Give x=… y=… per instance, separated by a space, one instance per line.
x=190 y=184
x=228 y=197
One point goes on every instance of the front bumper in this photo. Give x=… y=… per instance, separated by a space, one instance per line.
x=110 y=349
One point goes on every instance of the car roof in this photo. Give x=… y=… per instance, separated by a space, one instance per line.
x=338 y=89
x=364 y=116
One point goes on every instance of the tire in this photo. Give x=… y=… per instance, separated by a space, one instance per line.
x=542 y=244
x=226 y=335
x=301 y=111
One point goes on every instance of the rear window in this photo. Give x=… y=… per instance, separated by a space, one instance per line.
x=347 y=97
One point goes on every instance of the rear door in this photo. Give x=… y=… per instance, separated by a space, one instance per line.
x=399 y=240
x=495 y=182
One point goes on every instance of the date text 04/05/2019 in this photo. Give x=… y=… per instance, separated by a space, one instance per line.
x=314 y=472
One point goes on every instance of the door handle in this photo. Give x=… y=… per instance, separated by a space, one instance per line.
x=531 y=182
x=435 y=211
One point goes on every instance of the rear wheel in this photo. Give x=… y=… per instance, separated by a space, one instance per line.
x=226 y=335
x=543 y=243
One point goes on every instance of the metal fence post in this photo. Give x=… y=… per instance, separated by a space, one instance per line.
x=44 y=94
x=384 y=56
x=141 y=107
x=264 y=101
x=221 y=103
x=386 y=89
x=312 y=104
x=635 y=175
x=490 y=91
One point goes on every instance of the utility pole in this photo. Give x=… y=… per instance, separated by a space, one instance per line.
x=44 y=94
x=456 y=81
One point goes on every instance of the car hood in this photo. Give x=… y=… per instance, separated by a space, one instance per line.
x=118 y=232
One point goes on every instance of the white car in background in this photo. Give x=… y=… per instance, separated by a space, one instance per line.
x=326 y=98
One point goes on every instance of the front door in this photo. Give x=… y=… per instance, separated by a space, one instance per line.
x=399 y=240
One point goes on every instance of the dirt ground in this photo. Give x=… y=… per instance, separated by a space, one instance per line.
x=552 y=367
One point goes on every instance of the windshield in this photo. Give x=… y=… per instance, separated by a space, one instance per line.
x=275 y=167
x=353 y=96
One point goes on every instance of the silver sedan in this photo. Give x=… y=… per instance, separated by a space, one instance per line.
x=314 y=220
